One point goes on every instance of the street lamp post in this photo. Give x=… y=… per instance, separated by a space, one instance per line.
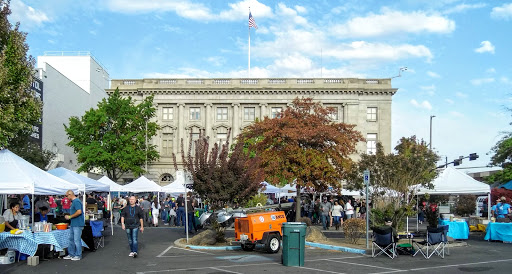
x=430 y=142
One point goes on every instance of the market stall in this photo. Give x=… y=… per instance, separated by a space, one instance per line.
x=454 y=182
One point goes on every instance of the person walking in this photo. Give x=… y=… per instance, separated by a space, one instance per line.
x=116 y=211
x=145 y=205
x=155 y=211
x=77 y=225
x=131 y=219
x=180 y=203
x=325 y=208
x=349 y=210
x=336 y=214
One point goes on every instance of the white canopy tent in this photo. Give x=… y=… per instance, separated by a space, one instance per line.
x=269 y=188
x=75 y=178
x=142 y=184
x=21 y=177
x=114 y=187
x=454 y=182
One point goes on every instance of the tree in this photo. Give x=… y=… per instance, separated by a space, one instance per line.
x=502 y=157
x=113 y=137
x=465 y=205
x=303 y=145
x=395 y=177
x=19 y=108
x=220 y=176
x=31 y=152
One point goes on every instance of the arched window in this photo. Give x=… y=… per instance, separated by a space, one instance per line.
x=166 y=179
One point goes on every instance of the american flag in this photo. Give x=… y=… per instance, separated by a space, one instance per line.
x=252 y=23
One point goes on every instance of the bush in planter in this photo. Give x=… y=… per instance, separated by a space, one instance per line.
x=354 y=229
x=465 y=205
x=305 y=220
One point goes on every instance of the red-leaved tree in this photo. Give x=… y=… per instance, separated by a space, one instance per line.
x=303 y=144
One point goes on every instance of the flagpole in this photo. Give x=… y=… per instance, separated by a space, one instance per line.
x=249 y=57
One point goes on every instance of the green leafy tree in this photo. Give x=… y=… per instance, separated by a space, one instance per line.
x=395 y=177
x=465 y=205
x=19 y=108
x=112 y=137
x=221 y=176
x=503 y=158
x=31 y=152
x=302 y=145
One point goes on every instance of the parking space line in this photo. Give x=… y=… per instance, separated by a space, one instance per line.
x=202 y=268
x=223 y=270
x=165 y=251
x=191 y=250
x=337 y=258
x=319 y=270
x=367 y=265
x=455 y=265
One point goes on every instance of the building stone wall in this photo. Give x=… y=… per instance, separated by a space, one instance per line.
x=225 y=104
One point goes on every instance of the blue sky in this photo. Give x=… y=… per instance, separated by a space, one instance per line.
x=458 y=53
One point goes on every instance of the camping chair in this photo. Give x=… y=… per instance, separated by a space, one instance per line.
x=383 y=242
x=446 y=242
x=433 y=244
x=97 y=233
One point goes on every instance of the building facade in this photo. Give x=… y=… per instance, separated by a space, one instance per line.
x=74 y=82
x=187 y=106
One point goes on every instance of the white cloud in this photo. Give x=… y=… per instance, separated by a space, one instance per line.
x=463 y=7
x=456 y=114
x=192 y=10
x=486 y=46
x=449 y=101
x=27 y=15
x=429 y=89
x=491 y=70
x=424 y=104
x=461 y=95
x=300 y=9
x=216 y=60
x=433 y=74
x=394 y=22
x=505 y=80
x=502 y=12
x=481 y=81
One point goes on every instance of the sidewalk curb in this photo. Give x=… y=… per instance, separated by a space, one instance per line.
x=199 y=247
x=338 y=248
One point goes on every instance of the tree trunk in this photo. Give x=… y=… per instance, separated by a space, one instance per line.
x=297 y=204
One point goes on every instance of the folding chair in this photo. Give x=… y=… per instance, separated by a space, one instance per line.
x=97 y=233
x=433 y=244
x=383 y=242
x=446 y=243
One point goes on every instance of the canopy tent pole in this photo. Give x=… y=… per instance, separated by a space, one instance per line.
x=417 y=215
x=489 y=206
x=33 y=209
x=111 y=212
x=186 y=213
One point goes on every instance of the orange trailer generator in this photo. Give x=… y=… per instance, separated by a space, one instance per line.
x=260 y=228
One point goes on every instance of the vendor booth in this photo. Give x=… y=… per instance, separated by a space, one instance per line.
x=142 y=184
x=21 y=177
x=454 y=182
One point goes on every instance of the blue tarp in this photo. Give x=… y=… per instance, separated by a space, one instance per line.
x=507 y=185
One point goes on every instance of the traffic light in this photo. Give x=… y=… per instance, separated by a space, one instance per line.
x=473 y=156
x=457 y=162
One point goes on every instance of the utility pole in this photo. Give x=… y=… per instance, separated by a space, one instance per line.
x=430 y=142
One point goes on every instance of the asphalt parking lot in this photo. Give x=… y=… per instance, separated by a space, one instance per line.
x=159 y=255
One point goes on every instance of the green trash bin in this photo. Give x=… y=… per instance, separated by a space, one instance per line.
x=294 y=243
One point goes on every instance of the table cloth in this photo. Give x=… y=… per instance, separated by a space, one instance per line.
x=457 y=229
x=27 y=242
x=499 y=232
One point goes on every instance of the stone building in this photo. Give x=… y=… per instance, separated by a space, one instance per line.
x=187 y=106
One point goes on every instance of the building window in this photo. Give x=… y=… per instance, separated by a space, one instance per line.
x=334 y=113
x=222 y=137
x=167 y=113
x=195 y=137
x=222 y=114
x=371 y=143
x=167 y=144
x=195 y=113
x=371 y=114
x=275 y=112
x=249 y=114
x=166 y=179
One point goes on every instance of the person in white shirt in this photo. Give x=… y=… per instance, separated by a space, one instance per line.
x=349 y=210
x=336 y=214
x=155 y=211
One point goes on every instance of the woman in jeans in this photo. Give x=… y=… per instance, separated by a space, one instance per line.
x=116 y=210
x=336 y=214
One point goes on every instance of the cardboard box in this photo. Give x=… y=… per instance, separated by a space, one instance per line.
x=33 y=261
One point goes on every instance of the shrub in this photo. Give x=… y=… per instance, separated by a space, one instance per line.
x=257 y=199
x=465 y=205
x=354 y=229
x=305 y=220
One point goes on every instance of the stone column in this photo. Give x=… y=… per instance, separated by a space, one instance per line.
x=236 y=120
x=181 y=126
x=263 y=110
x=208 y=120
